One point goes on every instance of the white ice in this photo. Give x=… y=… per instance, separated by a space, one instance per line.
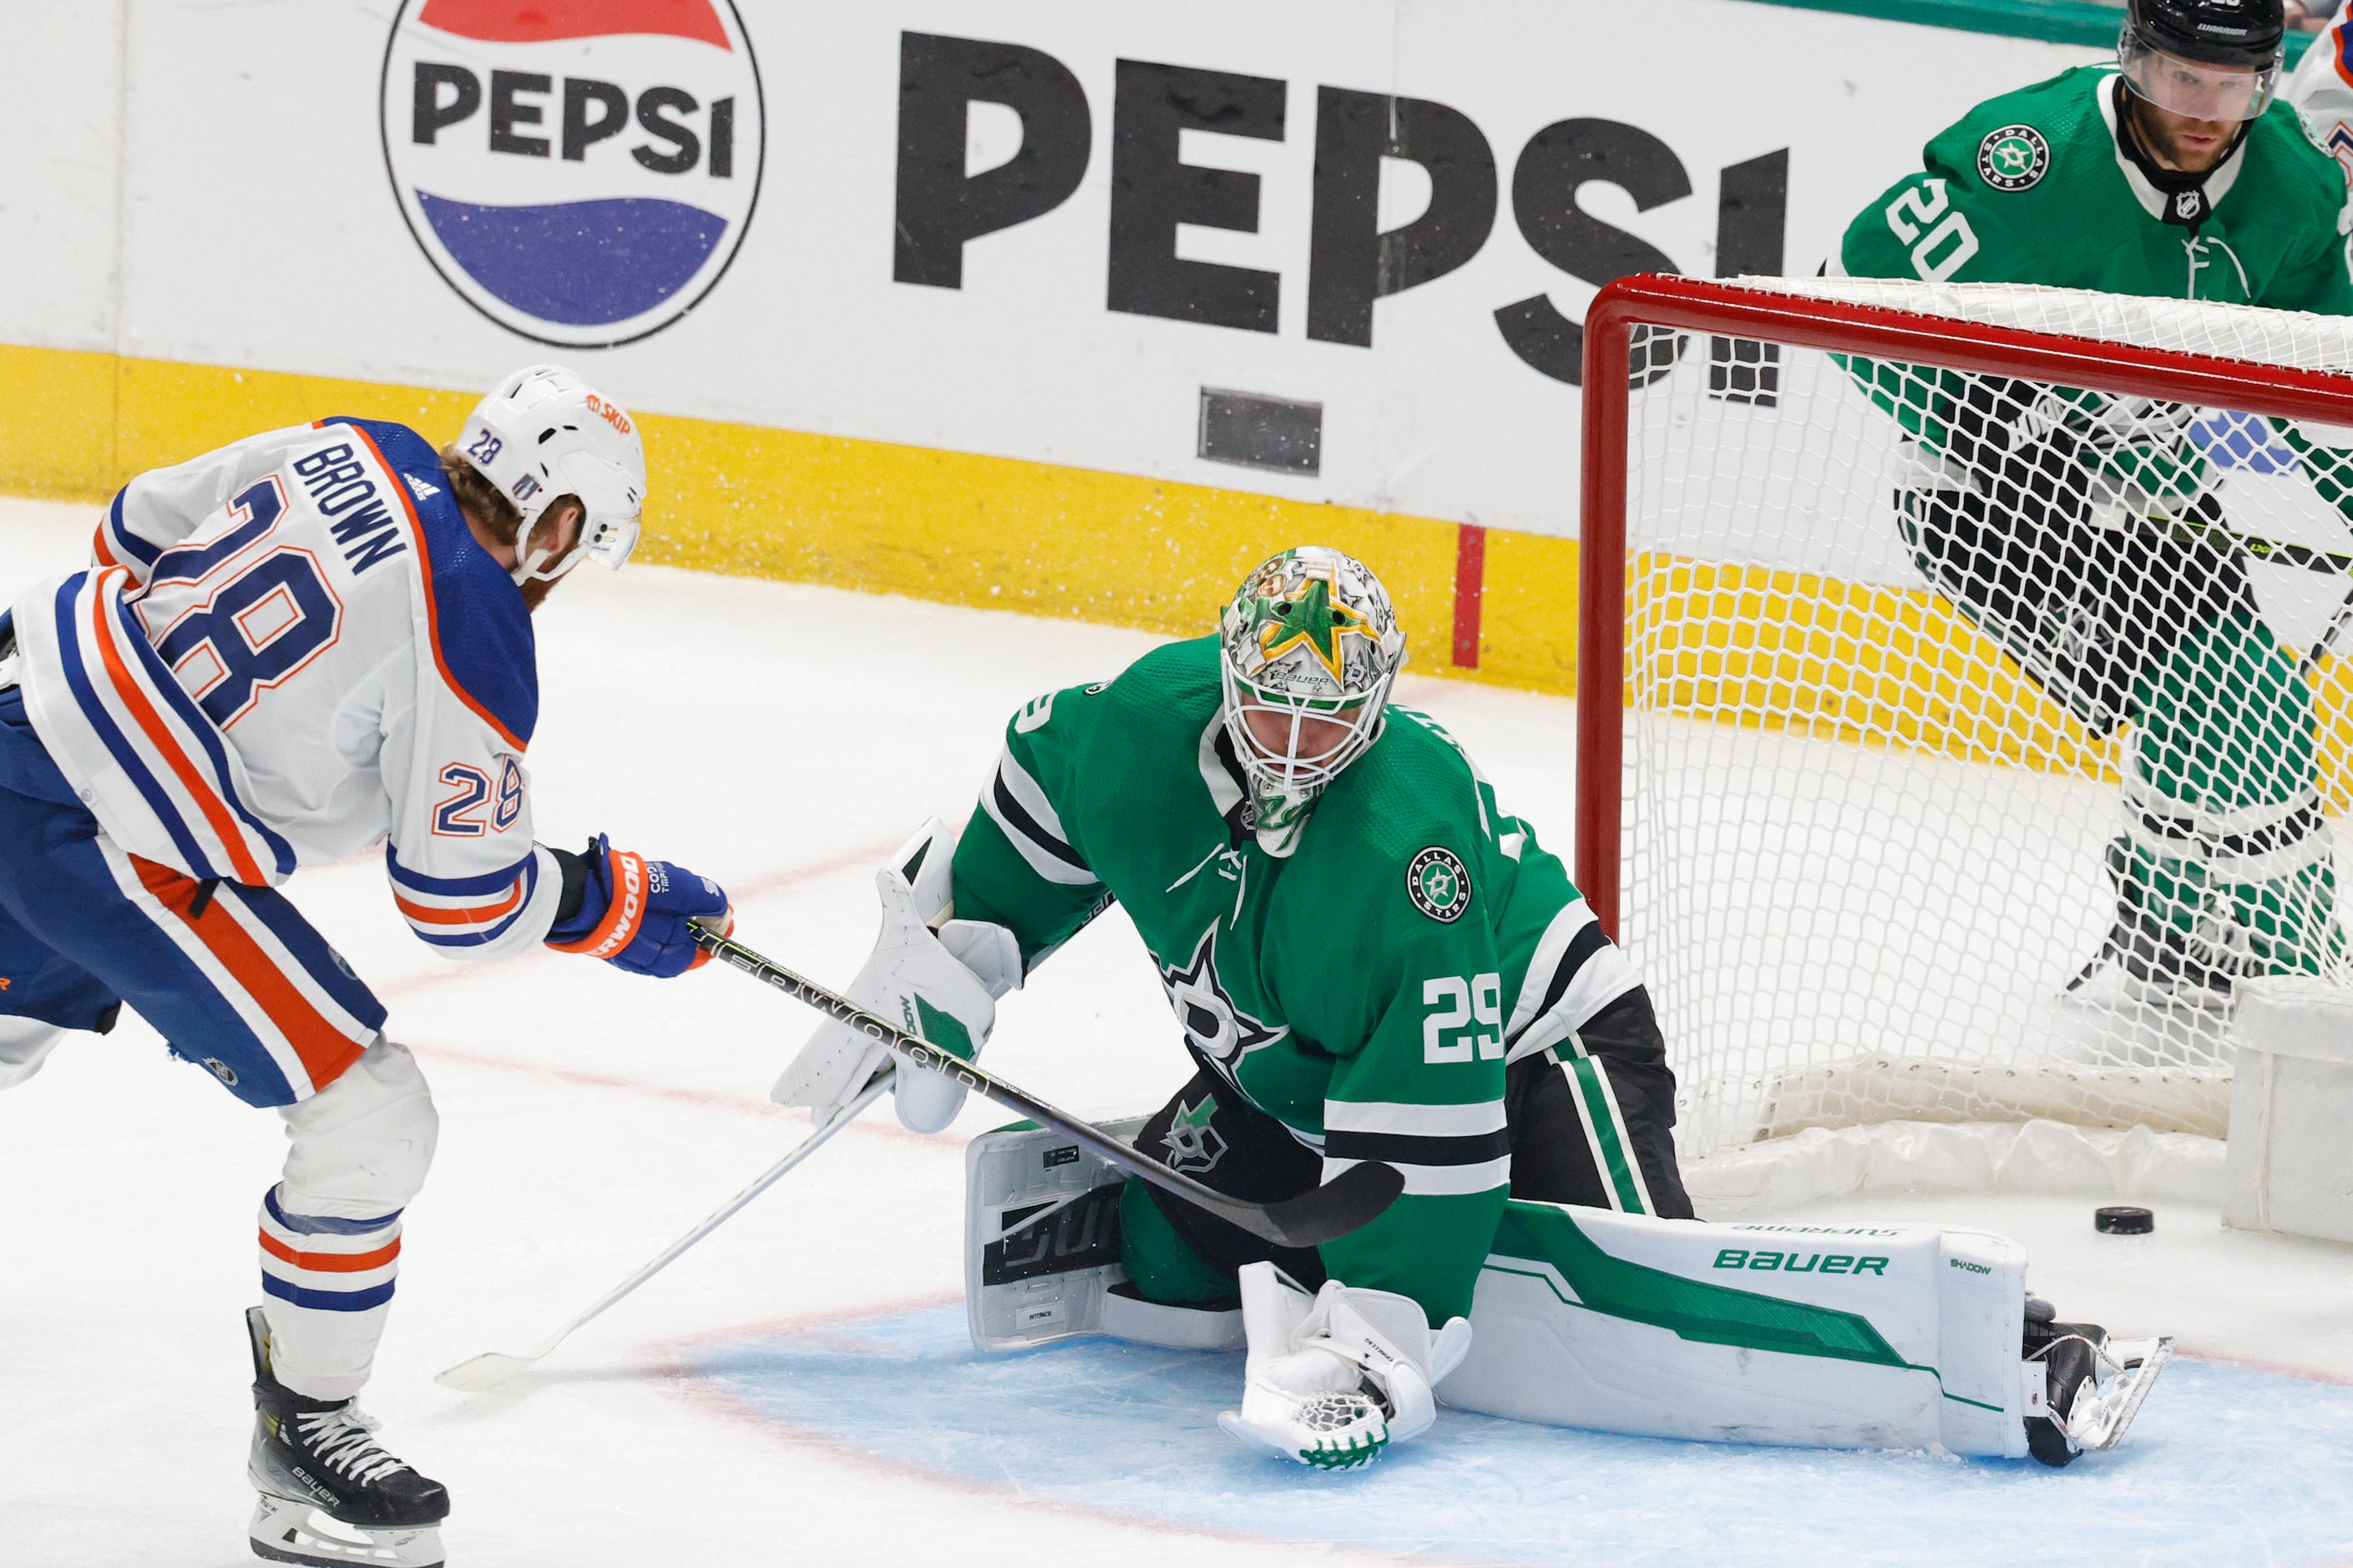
x=781 y=739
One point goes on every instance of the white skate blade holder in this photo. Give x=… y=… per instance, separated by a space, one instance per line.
x=287 y=1530
x=2128 y=1370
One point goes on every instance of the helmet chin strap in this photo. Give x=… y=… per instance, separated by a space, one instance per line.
x=529 y=562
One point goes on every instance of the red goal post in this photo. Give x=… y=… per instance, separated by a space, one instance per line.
x=1774 y=312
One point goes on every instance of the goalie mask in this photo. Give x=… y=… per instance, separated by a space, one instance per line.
x=546 y=433
x=1308 y=649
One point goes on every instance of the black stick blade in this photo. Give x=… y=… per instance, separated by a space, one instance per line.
x=1356 y=1196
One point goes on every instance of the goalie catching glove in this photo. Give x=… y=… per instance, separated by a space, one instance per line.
x=1332 y=1379
x=934 y=977
x=632 y=913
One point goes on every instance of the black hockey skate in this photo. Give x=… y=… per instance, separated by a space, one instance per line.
x=2158 y=959
x=329 y=1495
x=2094 y=1385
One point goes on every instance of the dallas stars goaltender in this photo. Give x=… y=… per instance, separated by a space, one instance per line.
x=1370 y=959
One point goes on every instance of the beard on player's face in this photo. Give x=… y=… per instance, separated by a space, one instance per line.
x=2178 y=142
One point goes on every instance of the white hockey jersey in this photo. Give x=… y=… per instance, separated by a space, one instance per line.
x=289 y=650
x=2321 y=90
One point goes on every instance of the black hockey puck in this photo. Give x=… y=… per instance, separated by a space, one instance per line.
x=2123 y=1221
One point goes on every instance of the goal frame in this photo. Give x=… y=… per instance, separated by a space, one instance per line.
x=1729 y=310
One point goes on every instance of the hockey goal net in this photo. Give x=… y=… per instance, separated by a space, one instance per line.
x=1956 y=729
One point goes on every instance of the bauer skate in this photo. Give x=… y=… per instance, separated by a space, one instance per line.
x=329 y=1495
x=2095 y=1384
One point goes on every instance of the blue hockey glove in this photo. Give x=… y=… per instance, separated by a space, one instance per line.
x=633 y=912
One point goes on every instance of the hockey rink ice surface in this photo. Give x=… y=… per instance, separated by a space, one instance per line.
x=800 y=1389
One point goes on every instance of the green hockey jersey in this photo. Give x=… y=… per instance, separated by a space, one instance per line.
x=1366 y=991
x=2034 y=187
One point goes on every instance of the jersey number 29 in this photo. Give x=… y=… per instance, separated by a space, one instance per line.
x=1455 y=1002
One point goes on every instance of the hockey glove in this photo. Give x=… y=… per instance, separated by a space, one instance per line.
x=633 y=912
x=939 y=982
x=1333 y=1379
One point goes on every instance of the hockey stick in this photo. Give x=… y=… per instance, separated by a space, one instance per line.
x=2328 y=562
x=2324 y=644
x=493 y=1367
x=1354 y=1197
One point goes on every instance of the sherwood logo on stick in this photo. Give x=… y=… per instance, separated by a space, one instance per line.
x=581 y=172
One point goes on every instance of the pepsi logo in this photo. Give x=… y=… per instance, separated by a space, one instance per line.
x=581 y=172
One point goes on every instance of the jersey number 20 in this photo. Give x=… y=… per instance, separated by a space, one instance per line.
x=1948 y=240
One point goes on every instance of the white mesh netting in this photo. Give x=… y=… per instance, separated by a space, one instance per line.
x=1976 y=742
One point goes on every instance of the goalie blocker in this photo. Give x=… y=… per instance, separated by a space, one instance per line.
x=1833 y=1336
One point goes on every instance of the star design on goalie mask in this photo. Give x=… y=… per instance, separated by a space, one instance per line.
x=1316 y=621
x=1213 y=1026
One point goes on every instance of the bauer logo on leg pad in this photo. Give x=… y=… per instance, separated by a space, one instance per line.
x=1790 y=1262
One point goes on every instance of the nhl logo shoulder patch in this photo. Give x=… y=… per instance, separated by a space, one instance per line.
x=2013 y=158
x=1439 y=884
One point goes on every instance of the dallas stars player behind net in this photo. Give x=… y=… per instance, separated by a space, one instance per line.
x=1369 y=958
x=2086 y=532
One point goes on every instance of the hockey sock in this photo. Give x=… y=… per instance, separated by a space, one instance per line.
x=2227 y=841
x=1161 y=1264
x=329 y=1283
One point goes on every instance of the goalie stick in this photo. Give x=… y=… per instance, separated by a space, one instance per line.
x=493 y=1367
x=1354 y=1197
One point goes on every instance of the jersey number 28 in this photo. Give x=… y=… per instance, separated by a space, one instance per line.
x=254 y=628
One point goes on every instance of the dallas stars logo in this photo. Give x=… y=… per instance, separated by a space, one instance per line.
x=1213 y=1026
x=1193 y=1144
x=1439 y=884
x=1314 y=620
x=2013 y=158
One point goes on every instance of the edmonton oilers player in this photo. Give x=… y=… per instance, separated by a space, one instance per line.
x=286 y=651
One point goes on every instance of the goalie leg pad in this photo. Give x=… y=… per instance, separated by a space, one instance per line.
x=1046 y=1244
x=1865 y=1336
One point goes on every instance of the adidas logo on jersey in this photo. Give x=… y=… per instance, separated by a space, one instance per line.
x=423 y=491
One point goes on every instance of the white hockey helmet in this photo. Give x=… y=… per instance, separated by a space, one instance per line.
x=546 y=433
x=1310 y=636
